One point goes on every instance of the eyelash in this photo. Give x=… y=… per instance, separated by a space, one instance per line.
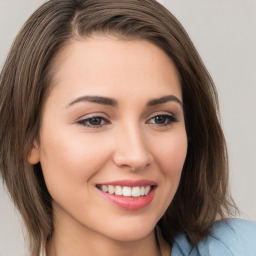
x=166 y=118
x=86 y=122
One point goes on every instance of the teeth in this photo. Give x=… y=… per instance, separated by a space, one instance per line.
x=142 y=191
x=125 y=191
x=135 y=191
x=104 y=188
x=147 y=189
x=118 y=191
x=111 y=189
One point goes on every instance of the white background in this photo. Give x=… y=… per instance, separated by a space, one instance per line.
x=223 y=31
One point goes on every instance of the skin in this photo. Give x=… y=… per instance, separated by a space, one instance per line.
x=129 y=143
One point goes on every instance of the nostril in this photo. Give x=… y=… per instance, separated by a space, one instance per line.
x=133 y=162
x=131 y=149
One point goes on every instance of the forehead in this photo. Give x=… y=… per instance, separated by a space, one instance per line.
x=114 y=64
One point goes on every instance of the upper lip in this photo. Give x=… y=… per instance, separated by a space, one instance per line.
x=130 y=183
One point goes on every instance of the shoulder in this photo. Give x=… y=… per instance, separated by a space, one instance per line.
x=231 y=237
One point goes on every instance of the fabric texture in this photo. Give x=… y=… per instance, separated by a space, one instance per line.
x=231 y=237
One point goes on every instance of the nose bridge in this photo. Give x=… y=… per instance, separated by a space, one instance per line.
x=131 y=147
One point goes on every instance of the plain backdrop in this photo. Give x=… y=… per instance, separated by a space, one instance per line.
x=223 y=32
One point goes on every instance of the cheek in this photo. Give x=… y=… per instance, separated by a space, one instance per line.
x=171 y=154
x=69 y=161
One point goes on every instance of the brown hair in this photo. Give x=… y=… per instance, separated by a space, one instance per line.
x=202 y=196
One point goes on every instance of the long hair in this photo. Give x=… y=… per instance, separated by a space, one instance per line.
x=26 y=79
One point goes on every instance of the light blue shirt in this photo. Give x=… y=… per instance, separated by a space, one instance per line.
x=231 y=237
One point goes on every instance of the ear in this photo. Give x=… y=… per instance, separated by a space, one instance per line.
x=34 y=155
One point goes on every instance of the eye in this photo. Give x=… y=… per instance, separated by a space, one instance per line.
x=163 y=120
x=93 y=122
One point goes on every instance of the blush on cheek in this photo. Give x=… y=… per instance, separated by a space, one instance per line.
x=172 y=154
x=76 y=156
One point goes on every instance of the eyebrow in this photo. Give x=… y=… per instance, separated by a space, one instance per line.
x=164 y=99
x=95 y=99
x=112 y=102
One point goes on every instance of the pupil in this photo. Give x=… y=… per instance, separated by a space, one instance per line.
x=95 y=121
x=160 y=119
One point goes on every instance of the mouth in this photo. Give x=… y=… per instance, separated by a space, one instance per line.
x=128 y=195
x=126 y=191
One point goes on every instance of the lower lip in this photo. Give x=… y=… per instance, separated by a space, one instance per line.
x=130 y=203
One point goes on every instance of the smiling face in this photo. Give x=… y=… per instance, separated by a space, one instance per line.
x=112 y=138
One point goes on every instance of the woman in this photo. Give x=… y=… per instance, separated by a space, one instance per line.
x=110 y=139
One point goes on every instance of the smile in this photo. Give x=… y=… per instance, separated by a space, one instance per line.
x=128 y=194
x=126 y=191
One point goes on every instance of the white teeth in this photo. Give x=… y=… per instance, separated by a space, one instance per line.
x=104 y=188
x=125 y=191
x=135 y=191
x=142 y=191
x=111 y=189
x=118 y=191
x=147 y=189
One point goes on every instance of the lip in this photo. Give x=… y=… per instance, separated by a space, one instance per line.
x=130 y=203
x=130 y=183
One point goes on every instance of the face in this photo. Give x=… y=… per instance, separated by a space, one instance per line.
x=112 y=139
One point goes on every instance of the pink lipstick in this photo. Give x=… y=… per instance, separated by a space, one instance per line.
x=128 y=194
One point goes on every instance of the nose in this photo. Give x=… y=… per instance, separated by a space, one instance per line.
x=131 y=150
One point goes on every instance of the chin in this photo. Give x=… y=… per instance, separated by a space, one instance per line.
x=132 y=231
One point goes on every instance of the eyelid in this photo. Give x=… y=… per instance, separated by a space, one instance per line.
x=161 y=113
x=91 y=115
x=171 y=119
x=85 y=118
